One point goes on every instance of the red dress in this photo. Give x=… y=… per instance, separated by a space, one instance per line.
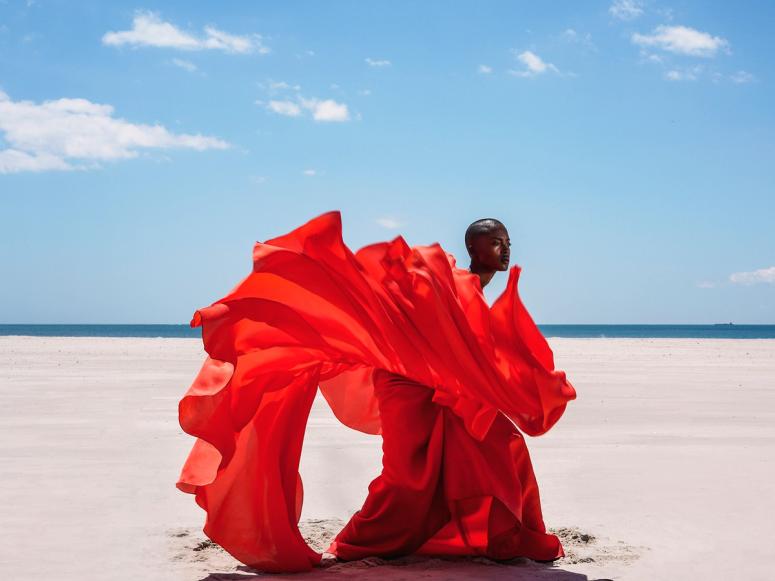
x=401 y=343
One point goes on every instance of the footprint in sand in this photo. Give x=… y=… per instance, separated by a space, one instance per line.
x=584 y=547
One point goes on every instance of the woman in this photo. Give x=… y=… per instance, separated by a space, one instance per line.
x=401 y=343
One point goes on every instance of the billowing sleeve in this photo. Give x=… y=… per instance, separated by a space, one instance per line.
x=525 y=356
x=306 y=316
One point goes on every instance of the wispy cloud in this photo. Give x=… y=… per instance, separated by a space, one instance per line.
x=67 y=134
x=742 y=77
x=389 y=223
x=287 y=108
x=324 y=110
x=706 y=284
x=282 y=86
x=377 y=62
x=148 y=29
x=484 y=69
x=761 y=276
x=289 y=102
x=666 y=13
x=650 y=57
x=184 y=64
x=534 y=65
x=310 y=172
x=682 y=40
x=689 y=74
x=626 y=9
x=583 y=40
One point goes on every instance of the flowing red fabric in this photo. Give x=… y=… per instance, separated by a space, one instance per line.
x=388 y=333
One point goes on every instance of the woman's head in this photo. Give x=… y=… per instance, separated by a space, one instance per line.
x=488 y=245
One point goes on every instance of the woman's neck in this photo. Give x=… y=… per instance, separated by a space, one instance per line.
x=484 y=276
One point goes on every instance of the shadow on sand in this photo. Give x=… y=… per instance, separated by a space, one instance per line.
x=412 y=567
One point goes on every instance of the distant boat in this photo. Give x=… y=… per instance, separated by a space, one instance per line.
x=723 y=324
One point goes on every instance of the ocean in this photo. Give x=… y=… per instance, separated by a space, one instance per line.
x=721 y=331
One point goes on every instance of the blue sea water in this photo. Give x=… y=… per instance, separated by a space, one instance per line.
x=723 y=331
x=101 y=330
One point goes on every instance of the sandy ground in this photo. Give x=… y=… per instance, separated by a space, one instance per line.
x=662 y=469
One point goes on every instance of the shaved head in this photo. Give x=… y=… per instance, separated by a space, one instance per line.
x=489 y=247
x=481 y=226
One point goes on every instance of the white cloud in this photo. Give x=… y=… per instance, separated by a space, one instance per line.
x=484 y=69
x=533 y=62
x=148 y=29
x=534 y=65
x=763 y=275
x=696 y=72
x=219 y=40
x=184 y=64
x=626 y=9
x=386 y=222
x=273 y=87
x=287 y=108
x=742 y=77
x=706 y=284
x=683 y=75
x=78 y=134
x=364 y=92
x=682 y=40
x=325 y=110
x=309 y=172
x=14 y=161
x=378 y=62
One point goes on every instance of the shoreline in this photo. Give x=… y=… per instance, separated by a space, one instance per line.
x=548 y=337
x=550 y=331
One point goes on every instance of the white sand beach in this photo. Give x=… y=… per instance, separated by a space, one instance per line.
x=661 y=469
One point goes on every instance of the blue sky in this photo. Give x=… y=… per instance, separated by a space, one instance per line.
x=628 y=146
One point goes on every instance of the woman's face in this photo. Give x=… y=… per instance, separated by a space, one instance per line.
x=493 y=250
